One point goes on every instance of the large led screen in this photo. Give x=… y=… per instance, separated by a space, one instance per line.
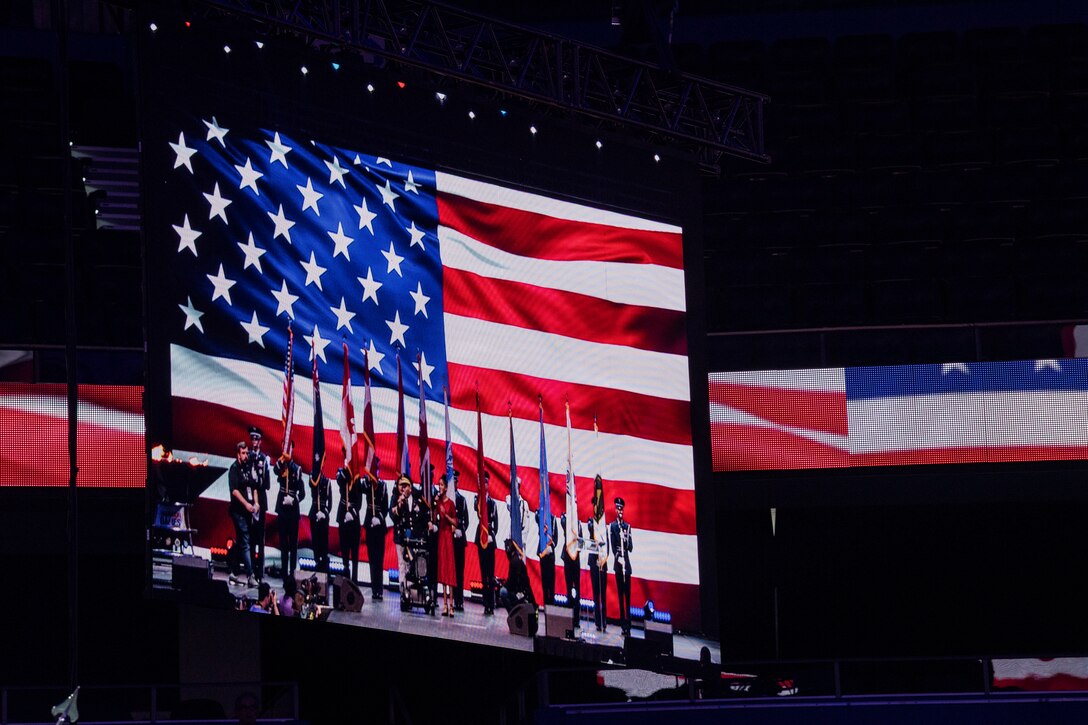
x=394 y=318
x=1025 y=410
x=109 y=435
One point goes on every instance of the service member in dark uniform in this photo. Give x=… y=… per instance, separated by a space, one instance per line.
x=597 y=561
x=347 y=518
x=320 y=508
x=460 y=542
x=410 y=517
x=487 y=553
x=548 y=543
x=261 y=468
x=572 y=573
x=242 y=508
x=622 y=545
x=375 y=508
x=291 y=491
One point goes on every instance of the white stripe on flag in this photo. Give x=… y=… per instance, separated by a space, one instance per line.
x=250 y=387
x=831 y=380
x=486 y=344
x=646 y=285
x=725 y=414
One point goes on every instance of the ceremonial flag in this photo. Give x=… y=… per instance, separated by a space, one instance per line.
x=424 y=448
x=515 y=495
x=319 y=430
x=526 y=294
x=451 y=489
x=545 y=510
x=481 y=500
x=370 y=460
x=402 y=428
x=287 y=411
x=348 y=436
x=571 y=532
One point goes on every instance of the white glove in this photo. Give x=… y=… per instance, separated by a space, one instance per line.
x=457 y=533
x=349 y=516
x=320 y=516
x=288 y=500
x=375 y=521
x=431 y=527
x=619 y=561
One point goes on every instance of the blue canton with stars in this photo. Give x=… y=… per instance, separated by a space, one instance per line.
x=270 y=229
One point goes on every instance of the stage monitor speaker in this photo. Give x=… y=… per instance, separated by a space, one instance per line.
x=660 y=633
x=189 y=572
x=349 y=598
x=558 y=622
x=522 y=620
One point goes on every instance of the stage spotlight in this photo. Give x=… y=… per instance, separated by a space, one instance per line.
x=188 y=24
x=226 y=49
x=532 y=130
x=657 y=157
x=259 y=44
x=401 y=84
x=471 y=115
x=502 y=112
x=599 y=145
x=335 y=65
x=305 y=70
x=370 y=87
x=153 y=27
x=440 y=96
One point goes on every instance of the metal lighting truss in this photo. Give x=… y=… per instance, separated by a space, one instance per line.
x=705 y=117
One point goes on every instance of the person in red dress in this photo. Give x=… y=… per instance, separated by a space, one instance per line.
x=445 y=512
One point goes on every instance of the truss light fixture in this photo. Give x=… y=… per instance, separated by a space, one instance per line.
x=335 y=65
x=532 y=130
x=370 y=87
x=401 y=84
x=471 y=115
x=305 y=70
x=226 y=49
x=440 y=97
x=599 y=145
x=153 y=27
x=657 y=157
x=502 y=112
x=260 y=44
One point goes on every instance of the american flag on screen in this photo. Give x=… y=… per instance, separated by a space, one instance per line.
x=473 y=284
x=901 y=414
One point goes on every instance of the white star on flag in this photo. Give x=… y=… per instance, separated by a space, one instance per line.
x=393 y=259
x=184 y=153
x=373 y=357
x=421 y=299
x=336 y=172
x=313 y=272
x=1054 y=365
x=366 y=217
x=954 y=368
x=255 y=330
x=217 y=132
x=218 y=204
x=286 y=301
x=309 y=196
x=279 y=151
x=411 y=185
x=382 y=160
x=340 y=241
x=317 y=344
x=253 y=254
x=343 y=316
x=221 y=286
x=249 y=177
x=388 y=195
x=283 y=225
x=397 y=330
x=417 y=236
x=192 y=315
x=370 y=286
x=186 y=236
x=426 y=370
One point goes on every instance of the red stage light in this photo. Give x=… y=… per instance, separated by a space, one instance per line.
x=188 y=24
x=400 y=84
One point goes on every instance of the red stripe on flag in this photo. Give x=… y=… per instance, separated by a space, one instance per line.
x=563 y=313
x=534 y=235
x=618 y=412
x=817 y=410
x=754 y=448
x=212 y=428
